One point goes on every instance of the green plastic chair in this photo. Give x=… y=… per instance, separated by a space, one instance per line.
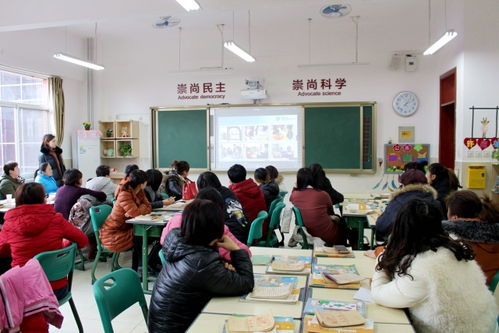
x=115 y=292
x=493 y=282
x=162 y=257
x=57 y=265
x=299 y=224
x=98 y=215
x=274 y=203
x=256 y=232
x=275 y=223
x=283 y=194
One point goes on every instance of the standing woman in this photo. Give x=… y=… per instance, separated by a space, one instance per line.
x=50 y=153
x=115 y=234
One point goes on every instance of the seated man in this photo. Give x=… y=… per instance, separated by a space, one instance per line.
x=103 y=182
x=248 y=193
x=10 y=180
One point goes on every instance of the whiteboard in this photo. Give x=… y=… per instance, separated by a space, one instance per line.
x=256 y=136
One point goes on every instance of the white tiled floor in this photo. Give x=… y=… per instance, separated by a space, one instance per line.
x=130 y=321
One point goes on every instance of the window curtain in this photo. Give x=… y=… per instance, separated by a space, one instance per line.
x=56 y=94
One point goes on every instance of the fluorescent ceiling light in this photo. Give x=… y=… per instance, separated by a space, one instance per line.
x=76 y=61
x=189 y=4
x=447 y=37
x=232 y=47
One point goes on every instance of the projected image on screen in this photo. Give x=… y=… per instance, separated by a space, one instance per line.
x=257 y=136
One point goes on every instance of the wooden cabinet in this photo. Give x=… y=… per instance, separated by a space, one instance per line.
x=120 y=139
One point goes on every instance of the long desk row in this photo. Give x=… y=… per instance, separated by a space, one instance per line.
x=219 y=309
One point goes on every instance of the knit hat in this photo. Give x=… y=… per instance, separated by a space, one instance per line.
x=413 y=176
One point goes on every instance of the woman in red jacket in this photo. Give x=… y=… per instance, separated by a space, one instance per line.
x=34 y=227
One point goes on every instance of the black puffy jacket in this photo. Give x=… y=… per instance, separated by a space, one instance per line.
x=192 y=275
x=235 y=219
x=270 y=192
x=173 y=185
x=45 y=156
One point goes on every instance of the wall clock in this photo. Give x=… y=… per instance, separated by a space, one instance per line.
x=405 y=103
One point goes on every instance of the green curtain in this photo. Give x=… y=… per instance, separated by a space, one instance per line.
x=57 y=99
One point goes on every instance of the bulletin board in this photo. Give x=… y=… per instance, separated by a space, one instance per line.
x=398 y=155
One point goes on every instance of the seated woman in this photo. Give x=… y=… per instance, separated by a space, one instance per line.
x=424 y=270
x=128 y=170
x=315 y=206
x=154 y=179
x=321 y=182
x=443 y=180
x=117 y=235
x=34 y=227
x=71 y=191
x=194 y=271
x=269 y=188
x=44 y=176
x=235 y=218
x=465 y=211
x=208 y=193
x=414 y=185
x=176 y=179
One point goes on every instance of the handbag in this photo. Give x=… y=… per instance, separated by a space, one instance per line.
x=189 y=190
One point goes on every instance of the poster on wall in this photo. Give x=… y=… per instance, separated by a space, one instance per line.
x=398 y=155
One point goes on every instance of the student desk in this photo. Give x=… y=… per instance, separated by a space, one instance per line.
x=271 y=251
x=233 y=305
x=365 y=266
x=214 y=323
x=145 y=226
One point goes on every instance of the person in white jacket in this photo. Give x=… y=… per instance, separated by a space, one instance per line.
x=102 y=182
x=432 y=275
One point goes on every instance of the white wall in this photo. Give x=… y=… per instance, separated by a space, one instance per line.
x=33 y=50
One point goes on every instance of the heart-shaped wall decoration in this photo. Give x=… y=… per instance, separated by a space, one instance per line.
x=483 y=143
x=470 y=142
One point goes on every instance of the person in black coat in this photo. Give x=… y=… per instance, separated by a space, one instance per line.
x=444 y=181
x=269 y=188
x=154 y=178
x=321 y=182
x=235 y=218
x=51 y=154
x=414 y=186
x=194 y=272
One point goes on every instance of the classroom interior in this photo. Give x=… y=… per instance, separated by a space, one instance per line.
x=377 y=49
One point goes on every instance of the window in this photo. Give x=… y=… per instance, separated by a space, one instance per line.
x=24 y=119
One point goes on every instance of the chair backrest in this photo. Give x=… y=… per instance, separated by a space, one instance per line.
x=98 y=215
x=115 y=292
x=255 y=231
x=274 y=203
x=58 y=264
x=283 y=194
x=275 y=221
x=299 y=224
x=162 y=257
x=493 y=282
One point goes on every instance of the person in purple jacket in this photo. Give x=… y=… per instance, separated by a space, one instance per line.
x=71 y=191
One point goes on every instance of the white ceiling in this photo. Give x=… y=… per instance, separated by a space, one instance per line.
x=118 y=18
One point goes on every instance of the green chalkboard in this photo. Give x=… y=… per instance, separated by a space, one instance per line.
x=339 y=137
x=180 y=135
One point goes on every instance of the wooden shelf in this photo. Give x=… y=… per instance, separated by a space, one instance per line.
x=123 y=132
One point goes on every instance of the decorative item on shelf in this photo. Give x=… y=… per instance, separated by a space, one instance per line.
x=495 y=155
x=109 y=132
x=86 y=125
x=109 y=152
x=124 y=132
x=126 y=149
